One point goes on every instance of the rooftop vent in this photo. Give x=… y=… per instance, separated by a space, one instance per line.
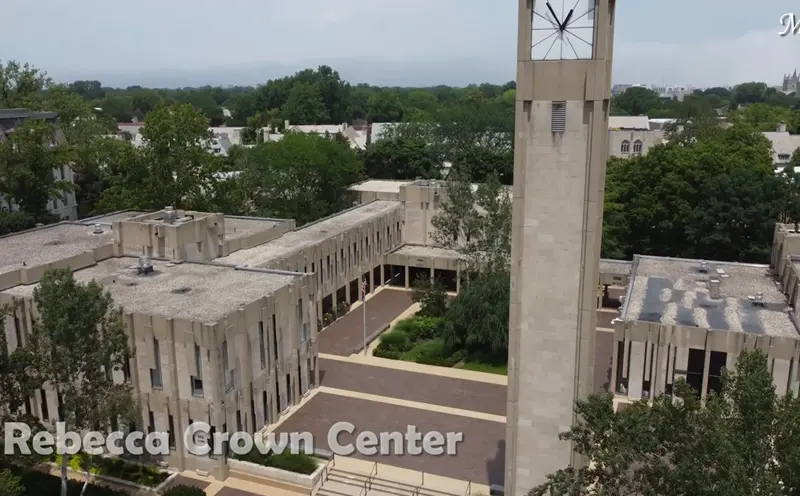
x=145 y=265
x=169 y=214
x=182 y=290
x=757 y=300
x=98 y=229
x=714 y=290
x=703 y=269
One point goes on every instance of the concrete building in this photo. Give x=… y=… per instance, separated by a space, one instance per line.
x=229 y=345
x=632 y=136
x=563 y=98
x=65 y=207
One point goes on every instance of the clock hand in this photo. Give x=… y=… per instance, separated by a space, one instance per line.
x=555 y=17
x=566 y=19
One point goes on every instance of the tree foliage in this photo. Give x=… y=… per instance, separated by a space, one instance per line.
x=431 y=296
x=741 y=441
x=76 y=344
x=709 y=193
x=401 y=158
x=303 y=177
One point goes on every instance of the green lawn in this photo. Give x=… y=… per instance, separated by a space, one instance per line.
x=500 y=369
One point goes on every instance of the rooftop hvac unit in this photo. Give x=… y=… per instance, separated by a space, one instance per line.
x=703 y=267
x=145 y=265
x=714 y=289
x=757 y=300
x=169 y=214
x=98 y=229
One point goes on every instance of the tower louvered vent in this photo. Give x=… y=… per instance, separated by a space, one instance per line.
x=558 y=117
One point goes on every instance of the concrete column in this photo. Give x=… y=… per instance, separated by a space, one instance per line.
x=433 y=274
x=408 y=284
x=661 y=371
x=458 y=280
x=347 y=291
x=615 y=358
x=380 y=275
x=636 y=372
x=706 y=366
x=780 y=375
x=372 y=280
x=681 y=362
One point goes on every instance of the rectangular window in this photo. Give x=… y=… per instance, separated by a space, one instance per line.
x=301 y=322
x=262 y=349
x=155 y=374
x=558 y=117
x=274 y=338
x=289 y=392
x=126 y=368
x=341 y=260
x=171 y=432
x=239 y=426
x=151 y=422
x=197 y=381
x=63 y=173
x=226 y=368
x=60 y=408
x=18 y=330
x=278 y=395
x=299 y=374
x=252 y=409
x=265 y=406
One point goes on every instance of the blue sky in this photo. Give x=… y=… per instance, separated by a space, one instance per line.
x=701 y=42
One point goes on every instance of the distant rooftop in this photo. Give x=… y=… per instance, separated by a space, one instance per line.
x=641 y=122
x=240 y=227
x=675 y=291
x=426 y=251
x=380 y=186
x=309 y=235
x=621 y=267
x=49 y=244
x=197 y=292
x=112 y=217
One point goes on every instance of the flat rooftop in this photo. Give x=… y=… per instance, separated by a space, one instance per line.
x=240 y=227
x=621 y=267
x=673 y=291
x=112 y=217
x=49 y=244
x=426 y=251
x=380 y=186
x=309 y=235
x=196 y=292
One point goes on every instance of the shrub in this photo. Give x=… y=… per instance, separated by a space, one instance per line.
x=395 y=340
x=299 y=463
x=184 y=490
x=10 y=484
x=37 y=483
x=423 y=328
x=433 y=352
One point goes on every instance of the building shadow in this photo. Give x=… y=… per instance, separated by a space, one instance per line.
x=496 y=466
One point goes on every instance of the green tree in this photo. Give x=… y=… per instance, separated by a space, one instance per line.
x=736 y=443
x=747 y=93
x=173 y=167
x=710 y=193
x=304 y=105
x=20 y=84
x=75 y=345
x=27 y=161
x=384 y=106
x=400 y=159
x=476 y=222
x=635 y=101
x=476 y=320
x=431 y=295
x=302 y=177
x=10 y=484
x=252 y=134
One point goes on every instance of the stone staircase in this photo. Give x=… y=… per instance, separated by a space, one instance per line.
x=342 y=482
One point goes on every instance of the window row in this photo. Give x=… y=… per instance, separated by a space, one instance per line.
x=357 y=253
x=625 y=147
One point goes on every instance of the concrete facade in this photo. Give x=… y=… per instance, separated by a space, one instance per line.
x=691 y=318
x=229 y=345
x=626 y=143
x=559 y=167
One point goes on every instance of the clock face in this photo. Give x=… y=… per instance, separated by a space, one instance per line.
x=563 y=29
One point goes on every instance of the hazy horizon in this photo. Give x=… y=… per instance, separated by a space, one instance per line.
x=413 y=43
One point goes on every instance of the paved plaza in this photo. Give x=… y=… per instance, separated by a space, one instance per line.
x=346 y=335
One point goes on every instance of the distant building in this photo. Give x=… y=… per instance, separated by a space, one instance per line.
x=66 y=208
x=790 y=83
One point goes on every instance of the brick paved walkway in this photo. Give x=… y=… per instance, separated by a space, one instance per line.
x=480 y=457
x=413 y=386
x=347 y=333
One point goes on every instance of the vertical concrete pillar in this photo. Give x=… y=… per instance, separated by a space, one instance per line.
x=408 y=284
x=458 y=280
x=433 y=274
x=706 y=366
x=661 y=369
x=780 y=375
x=615 y=358
x=681 y=362
x=636 y=372
x=371 y=279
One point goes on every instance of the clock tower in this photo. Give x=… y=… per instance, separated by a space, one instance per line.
x=561 y=147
